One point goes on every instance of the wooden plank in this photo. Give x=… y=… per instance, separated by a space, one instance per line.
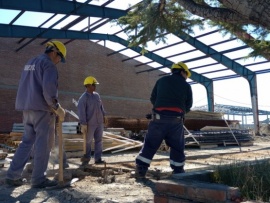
x=122 y=137
x=216 y=128
x=15 y=134
x=71 y=136
x=115 y=147
x=117 y=140
x=120 y=150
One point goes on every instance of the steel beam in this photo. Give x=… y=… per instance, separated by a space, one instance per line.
x=63 y=7
x=31 y=32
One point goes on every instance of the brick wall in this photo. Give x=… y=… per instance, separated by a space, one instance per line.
x=124 y=93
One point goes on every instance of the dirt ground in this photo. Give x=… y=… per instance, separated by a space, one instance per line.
x=113 y=183
x=96 y=183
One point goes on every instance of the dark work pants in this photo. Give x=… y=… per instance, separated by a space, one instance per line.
x=173 y=134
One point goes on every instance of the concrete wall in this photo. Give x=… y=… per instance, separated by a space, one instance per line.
x=124 y=93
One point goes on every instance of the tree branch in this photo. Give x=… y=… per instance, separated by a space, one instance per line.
x=214 y=14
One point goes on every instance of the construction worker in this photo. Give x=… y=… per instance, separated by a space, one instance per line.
x=91 y=116
x=172 y=99
x=37 y=97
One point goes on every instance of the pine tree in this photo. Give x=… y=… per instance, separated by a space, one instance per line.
x=151 y=20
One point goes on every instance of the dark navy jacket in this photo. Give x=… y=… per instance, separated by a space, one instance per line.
x=172 y=91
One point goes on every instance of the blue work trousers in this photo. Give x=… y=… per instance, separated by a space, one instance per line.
x=94 y=132
x=173 y=134
x=53 y=145
x=38 y=129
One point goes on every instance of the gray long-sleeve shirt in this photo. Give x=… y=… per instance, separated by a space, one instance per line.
x=38 y=86
x=90 y=109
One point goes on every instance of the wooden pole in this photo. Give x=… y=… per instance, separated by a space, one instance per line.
x=60 y=145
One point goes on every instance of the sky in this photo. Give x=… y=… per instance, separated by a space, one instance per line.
x=234 y=92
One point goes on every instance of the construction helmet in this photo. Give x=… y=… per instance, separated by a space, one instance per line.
x=90 y=80
x=181 y=65
x=60 y=47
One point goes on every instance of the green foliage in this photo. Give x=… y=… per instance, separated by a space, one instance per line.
x=253 y=180
x=256 y=39
x=150 y=21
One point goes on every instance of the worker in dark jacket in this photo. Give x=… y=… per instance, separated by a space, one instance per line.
x=37 y=98
x=171 y=99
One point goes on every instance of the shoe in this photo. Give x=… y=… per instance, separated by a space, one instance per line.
x=15 y=183
x=140 y=171
x=84 y=160
x=46 y=183
x=66 y=165
x=178 y=171
x=100 y=161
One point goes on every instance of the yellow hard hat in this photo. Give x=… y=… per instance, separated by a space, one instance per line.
x=90 y=80
x=181 y=65
x=61 y=48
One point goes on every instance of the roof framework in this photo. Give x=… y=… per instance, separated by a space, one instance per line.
x=217 y=57
x=233 y=110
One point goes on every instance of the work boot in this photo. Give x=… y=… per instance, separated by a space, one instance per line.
x=85 y=160
x=15 y=183
x=99 y=161
x=178 y=170
x=46 y=183
x=65 y=165
x=140 y=171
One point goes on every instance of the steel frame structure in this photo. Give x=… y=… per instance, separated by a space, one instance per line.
x=106 y=14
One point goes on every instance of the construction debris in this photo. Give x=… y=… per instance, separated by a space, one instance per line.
x=3 y=155
x=73 y=140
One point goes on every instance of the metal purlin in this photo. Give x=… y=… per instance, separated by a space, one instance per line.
x=63 y=18
x=41 y=7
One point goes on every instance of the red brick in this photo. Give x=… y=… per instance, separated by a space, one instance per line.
x=204 y=193
x=171 y=188
x=167 y=199
x=197 y=191
x=160 y=199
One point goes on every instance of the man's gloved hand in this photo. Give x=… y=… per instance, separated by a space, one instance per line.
x=105 y=120
x=60 y=112
x=84 y=129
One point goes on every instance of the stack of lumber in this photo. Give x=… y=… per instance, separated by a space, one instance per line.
x=3 y=138
x=73 y=140
x=10 y=141
x=195 y=120
x=204 y=115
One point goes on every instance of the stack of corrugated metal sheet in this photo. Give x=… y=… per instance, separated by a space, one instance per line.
x=220 y=136
x=67 y=127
